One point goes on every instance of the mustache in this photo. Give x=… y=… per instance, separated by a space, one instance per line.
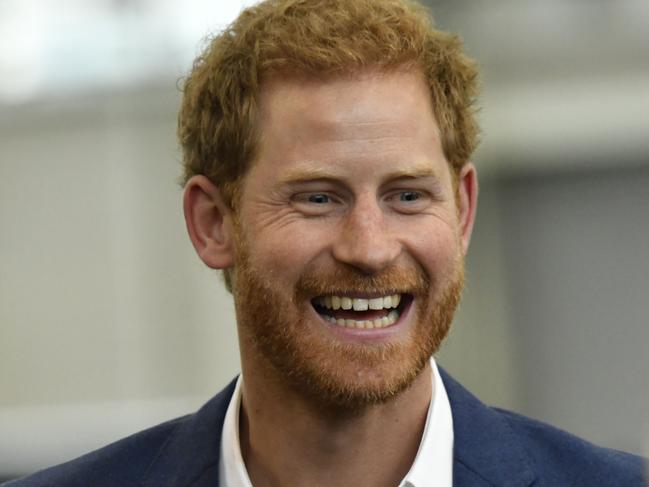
x=348 y=280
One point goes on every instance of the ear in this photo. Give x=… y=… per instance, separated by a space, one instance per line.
x=209 y=223
x=467 y=187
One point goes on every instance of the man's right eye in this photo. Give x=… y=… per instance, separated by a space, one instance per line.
x=317 y=204
x=318 y=198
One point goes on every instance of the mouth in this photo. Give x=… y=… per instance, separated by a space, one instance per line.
x=362 y=313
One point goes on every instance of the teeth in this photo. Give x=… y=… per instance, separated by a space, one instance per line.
x=388 y=320
x=361 y=304
x=358 y=304
x=376 y=303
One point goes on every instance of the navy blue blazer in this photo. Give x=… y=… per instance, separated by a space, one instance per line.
x=492 y=448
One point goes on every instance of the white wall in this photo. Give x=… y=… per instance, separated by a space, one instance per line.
x=578 y=268
x=102 y=300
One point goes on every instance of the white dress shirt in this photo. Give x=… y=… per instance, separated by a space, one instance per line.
x=433 y=465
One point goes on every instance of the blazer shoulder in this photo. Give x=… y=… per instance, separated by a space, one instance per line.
x=122 y=463
x=172 y=453
x=565 y=459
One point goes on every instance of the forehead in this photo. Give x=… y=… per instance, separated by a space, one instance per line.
x=332 y=102
x=367 y=119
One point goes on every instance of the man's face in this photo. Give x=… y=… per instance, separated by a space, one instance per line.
x=349 y=255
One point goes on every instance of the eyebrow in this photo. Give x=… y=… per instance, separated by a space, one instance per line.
x=300 y=175
x=418 y=172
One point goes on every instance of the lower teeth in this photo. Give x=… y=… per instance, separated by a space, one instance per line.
x=388 y=320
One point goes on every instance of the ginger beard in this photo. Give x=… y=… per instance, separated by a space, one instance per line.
x=319 y=366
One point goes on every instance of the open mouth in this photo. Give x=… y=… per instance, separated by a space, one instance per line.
x=361 y=313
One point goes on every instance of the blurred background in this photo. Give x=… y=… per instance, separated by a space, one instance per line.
x=109 y=323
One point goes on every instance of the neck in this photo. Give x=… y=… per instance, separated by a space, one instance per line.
x=285 y=440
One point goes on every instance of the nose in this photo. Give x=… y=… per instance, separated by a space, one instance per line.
x=365 y=239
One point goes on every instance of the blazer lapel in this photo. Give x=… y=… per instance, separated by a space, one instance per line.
x=486 y=450
x=191 y=455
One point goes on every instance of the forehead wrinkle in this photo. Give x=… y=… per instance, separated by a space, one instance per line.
x=349 y=129
x=303 y=150
x=318 y=129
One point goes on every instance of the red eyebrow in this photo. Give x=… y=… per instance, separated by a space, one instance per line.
x=312 y=174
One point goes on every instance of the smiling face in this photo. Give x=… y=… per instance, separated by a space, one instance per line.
x=349 y=244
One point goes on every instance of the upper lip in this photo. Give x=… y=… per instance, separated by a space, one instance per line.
x=335 y=302
x=359 y=295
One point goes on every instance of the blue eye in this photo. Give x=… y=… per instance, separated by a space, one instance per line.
x=319 y=199
x=409 y=196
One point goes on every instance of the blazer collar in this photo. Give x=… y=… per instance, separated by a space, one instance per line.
x=486 y=450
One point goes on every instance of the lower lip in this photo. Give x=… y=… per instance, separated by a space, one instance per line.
x=365 y=334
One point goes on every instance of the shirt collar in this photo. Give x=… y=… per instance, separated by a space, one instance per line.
x=232 y=469
x=433 y=465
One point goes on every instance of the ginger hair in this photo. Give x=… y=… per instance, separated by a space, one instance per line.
x=217 y=126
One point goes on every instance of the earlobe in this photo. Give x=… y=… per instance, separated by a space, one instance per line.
x=209 y=223
x=468 y=203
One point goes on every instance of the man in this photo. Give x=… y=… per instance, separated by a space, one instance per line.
x=327 y=147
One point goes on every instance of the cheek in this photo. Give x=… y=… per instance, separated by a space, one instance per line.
x=287 y=253
x=436 y=251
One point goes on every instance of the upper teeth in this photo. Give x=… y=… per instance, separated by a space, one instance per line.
x=359 y=304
